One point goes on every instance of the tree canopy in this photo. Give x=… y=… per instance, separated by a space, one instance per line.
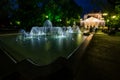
x=34 y=12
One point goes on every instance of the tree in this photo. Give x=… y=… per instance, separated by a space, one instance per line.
x=71 y=10
x=52 y=11
x=114 y=14
x=4 y=12
x=59 y=12
x=28 y=13
x=34 y=12
x=112 y=8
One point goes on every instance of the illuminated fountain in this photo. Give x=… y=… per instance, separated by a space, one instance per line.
x=47 y=30
x=43 y=45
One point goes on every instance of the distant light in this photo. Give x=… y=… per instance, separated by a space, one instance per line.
x=68 y=22
x=18 y=22
x=46 y=16
x=81 y=19
x=10 y=23
x=113 y=16
x=108 y=20
x=60 y=20
x=105 y=14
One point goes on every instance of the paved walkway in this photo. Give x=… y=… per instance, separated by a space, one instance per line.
x=101 y=61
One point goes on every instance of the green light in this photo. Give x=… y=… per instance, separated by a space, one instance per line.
x=108 y=20
x=46 y=16
x=58 y=20
x=68 y=22
x=18 y=22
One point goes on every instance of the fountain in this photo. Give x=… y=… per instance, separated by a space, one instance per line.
x=42 y=49
x=48 y=30
x=43 y=45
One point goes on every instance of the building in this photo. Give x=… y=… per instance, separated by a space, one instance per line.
x=92 y=20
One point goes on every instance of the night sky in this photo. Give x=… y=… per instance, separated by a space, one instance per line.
x=87 y=6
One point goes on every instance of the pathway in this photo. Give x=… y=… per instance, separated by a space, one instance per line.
x=101 y=61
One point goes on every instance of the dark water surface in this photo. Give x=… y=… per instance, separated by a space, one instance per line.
x=42 y=51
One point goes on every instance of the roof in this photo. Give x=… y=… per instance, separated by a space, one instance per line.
x=92 y=19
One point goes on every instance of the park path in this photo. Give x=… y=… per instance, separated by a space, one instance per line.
x=101 y=60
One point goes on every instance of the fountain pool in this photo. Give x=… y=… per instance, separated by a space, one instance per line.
x=42 y=45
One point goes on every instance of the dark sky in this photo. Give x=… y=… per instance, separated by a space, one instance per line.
x=87 y=6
